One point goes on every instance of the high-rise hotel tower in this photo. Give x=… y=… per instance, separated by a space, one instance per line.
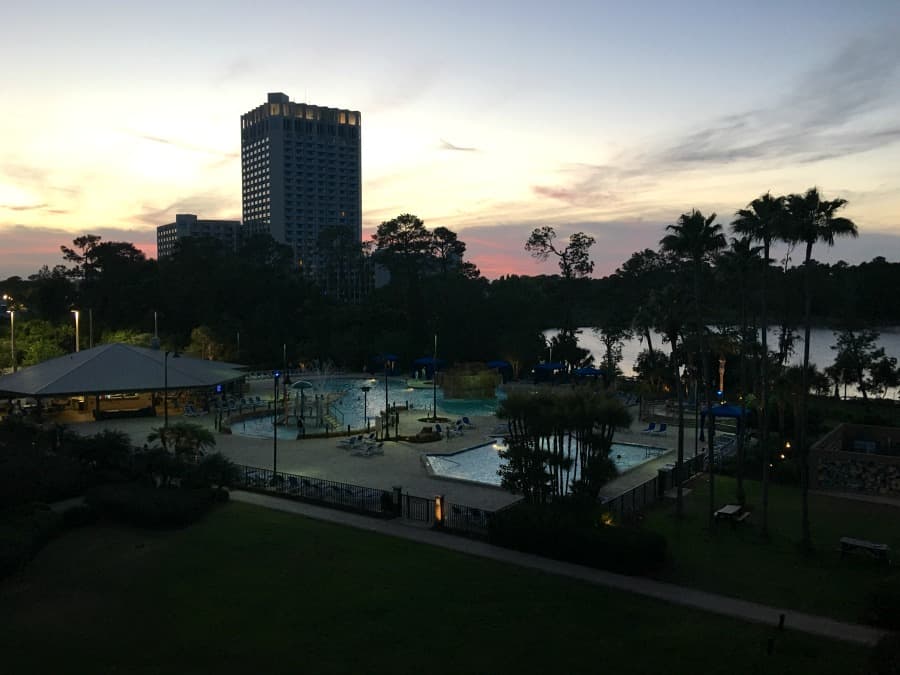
x=301 y=170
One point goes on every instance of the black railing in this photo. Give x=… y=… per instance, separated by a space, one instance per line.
x=319 y=490
x=456 y=518
x=636 y=499
x=466 y=519
x=419 y=509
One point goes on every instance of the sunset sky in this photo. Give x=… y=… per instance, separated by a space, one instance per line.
x=488 y=118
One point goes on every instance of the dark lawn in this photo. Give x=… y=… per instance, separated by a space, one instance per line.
x=737 y=562
x=249 y=590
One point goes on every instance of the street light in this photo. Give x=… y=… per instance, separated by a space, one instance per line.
x=77 y=343
x=365 y=390
x=434 y=380
x=12 y=329
x=175 y=355
x=275 y=426
x=387 y=408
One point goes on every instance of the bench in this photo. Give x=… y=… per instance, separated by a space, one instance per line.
x=732 y=513
x=879 y=551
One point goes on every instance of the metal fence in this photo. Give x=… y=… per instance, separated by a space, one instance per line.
x=636 y=499
x=419 y=509
x=466 y=520
x=456 y=518
x=651 y=491
x=319 y=490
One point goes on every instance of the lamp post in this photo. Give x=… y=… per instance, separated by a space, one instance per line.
x=365 y=390
x=387 y=415
x=12 y=329
x=77 y=331
x=91 y=328
x=275 y=426
x=721 y=375
x=175 y=355
x=12 y=338
x=434 y=380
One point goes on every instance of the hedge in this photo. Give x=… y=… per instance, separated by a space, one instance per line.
x=152 y=507
x=576 y=535
x=23 y=532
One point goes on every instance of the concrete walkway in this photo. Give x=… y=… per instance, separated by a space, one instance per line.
x=679 y=595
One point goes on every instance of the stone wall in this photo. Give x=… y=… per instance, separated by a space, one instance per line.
x=834 y=465
x=856 y=472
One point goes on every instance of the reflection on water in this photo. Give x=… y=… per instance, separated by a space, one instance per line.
x=481 y=464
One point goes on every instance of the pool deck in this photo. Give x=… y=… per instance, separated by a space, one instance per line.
x=400 y=465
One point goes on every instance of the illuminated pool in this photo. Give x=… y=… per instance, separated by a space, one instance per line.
x=352 y=406
x=481 y=464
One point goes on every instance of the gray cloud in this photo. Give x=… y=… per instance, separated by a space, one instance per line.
x=447 y=145
x=845 y=106
x=204 y=204
x=832 y=111
x=30 y=207
x=182 y=144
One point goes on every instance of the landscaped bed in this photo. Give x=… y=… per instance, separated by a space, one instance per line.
x=249 y=590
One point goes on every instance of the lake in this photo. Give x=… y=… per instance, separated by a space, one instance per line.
x=820 y=341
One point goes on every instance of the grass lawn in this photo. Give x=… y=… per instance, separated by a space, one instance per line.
x=250 y=590
x=735 y=561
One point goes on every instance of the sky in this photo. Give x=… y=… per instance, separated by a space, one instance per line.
x=490 y=118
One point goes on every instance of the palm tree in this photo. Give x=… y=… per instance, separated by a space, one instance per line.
x=811 y=220
x=670 y=323
x=184 y=438
x=763 y=220
x=736 y=264
x=694 y=240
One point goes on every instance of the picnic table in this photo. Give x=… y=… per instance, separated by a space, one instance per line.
x=733 y=513
x=880 y=551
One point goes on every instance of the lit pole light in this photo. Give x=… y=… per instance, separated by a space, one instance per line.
x=12 y=329
x=365 y=390
x=77 y=330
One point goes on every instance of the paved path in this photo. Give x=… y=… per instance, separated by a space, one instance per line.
x=717 y=604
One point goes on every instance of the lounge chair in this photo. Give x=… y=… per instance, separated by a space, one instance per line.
x=350 y=442
x=467 y=423
x=662 y=429
x=650 y=428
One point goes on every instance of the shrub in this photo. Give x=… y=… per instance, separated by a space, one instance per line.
x=79 y=516
x=577 y=535
x=146 y=506
x=23 y=532
x=214 y=470
x=883 y=603
x=885 y=659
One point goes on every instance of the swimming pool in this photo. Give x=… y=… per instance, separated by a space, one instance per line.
x=353 y=405
x=350 y=406
x=481 y=464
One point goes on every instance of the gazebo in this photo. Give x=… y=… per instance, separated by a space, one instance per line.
x=116 y=369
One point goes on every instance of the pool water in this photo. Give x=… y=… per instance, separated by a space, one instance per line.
x=481 y=464
x=353 y=406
